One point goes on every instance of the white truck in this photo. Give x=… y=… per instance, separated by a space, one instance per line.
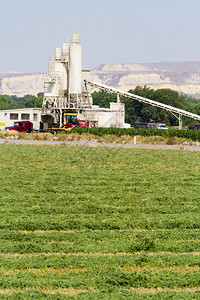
x=157 y=125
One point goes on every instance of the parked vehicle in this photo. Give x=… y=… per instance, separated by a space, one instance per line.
x=138 y=124
x=157 y=125
x=71 y=121
x=150 y=125
x=21 y=126
x=194 y=127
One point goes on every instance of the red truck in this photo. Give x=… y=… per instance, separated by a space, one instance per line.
x=21 y=126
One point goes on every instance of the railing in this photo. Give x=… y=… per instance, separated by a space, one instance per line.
x=64 y=103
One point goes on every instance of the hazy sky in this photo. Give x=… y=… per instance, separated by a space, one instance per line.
x=111 y=31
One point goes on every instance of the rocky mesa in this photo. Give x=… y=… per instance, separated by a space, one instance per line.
x=182 y=76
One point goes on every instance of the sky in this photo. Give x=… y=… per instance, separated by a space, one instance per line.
x=111 y=31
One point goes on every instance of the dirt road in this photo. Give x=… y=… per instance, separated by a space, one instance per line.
x=96 y=144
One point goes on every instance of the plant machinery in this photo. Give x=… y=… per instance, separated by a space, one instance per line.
x=71 y=121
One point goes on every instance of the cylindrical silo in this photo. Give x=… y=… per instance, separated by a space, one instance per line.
x=51 y=66
x=75 y=66
x=66 y=47
x=58 y=53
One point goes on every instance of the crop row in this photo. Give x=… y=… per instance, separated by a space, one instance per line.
x=189 y=134
x=100 y=235
x=112 y=294
x=61 y=261
x=103 y=278
x=106 y=242
x=100 y=222
x=115 y=246
x=99 y=275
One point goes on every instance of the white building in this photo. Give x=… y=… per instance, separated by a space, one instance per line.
x=105 y=117
x=9 y=116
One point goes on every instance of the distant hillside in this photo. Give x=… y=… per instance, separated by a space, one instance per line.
x=182 y=76
x=21 y=84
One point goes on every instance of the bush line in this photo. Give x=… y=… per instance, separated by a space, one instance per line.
x=193 y=135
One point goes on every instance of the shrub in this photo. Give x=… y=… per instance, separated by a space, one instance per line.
x=194 y=135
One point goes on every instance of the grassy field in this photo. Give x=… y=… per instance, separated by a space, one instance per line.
x=99 y=223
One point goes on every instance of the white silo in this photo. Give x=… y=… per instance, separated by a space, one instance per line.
x=75 y=66
x=51 y=66
x=66 y=47
x=58 y=53
x=60 y=72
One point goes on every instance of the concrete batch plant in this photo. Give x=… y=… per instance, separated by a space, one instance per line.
x=65 y=91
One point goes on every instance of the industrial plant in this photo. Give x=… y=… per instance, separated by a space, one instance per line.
x=66 y=95
x=68 y=103
x=66 y=91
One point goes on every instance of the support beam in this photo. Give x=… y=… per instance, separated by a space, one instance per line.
x=118 y=98
x=60 y=118
x=180 y=122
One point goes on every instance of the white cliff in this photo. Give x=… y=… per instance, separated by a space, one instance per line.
x=182 y=76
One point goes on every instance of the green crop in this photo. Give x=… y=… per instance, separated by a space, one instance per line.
x=99 y=223
x=189 y=134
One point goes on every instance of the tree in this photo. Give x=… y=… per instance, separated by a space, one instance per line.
x=135 y=110
x=103 y=98
x=28 y=101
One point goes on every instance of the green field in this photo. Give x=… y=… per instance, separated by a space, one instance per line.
x=99 y=223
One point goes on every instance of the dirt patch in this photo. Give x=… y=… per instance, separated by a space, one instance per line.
x=180 y=269
x=44 y=271
x=160 y=290
x=65 y=291
x=96 y=254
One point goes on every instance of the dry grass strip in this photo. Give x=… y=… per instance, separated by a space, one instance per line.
x=71 y=291
x=180 y=269
x=65 y=291
x=160 y=290
x=59 y=271
x=96 y=254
